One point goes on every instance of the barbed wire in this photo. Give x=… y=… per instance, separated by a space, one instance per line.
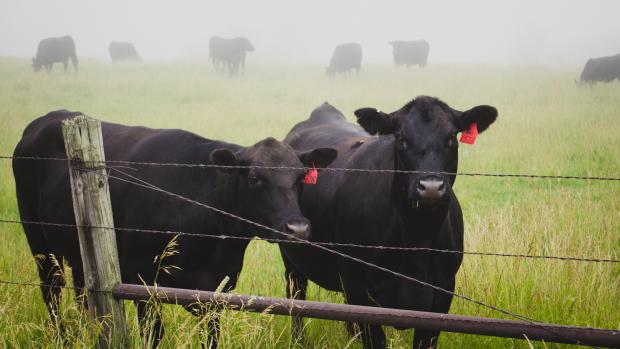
x=333 y=244
x=151 y=186
x=335 y=169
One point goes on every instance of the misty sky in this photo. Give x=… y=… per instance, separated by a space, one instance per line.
x=474 y=31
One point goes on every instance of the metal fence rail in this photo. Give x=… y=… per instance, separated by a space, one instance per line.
x=552 y=333
x=377 y=316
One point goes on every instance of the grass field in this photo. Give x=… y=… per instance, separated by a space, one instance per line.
x=546 y=125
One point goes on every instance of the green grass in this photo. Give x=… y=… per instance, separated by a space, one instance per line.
x=546 y=125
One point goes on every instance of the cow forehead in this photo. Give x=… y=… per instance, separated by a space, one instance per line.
x=271 y=152
x=428 y=115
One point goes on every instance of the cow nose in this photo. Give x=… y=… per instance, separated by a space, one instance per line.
x=298 y=229
x=431 y=189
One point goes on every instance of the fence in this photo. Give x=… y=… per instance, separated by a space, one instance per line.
x=89 y=181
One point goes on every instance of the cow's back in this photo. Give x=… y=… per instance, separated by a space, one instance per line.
x=53 y=50
x=410 y=52
x=123 y=50
x=346 y=56
x=326 y=127
x=609 y=67
x=43 y=189
x=601 y=69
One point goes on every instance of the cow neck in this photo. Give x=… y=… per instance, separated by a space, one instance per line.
x=227 y=199
x=421 y=224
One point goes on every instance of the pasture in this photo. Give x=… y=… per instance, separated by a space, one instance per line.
x=546 y=125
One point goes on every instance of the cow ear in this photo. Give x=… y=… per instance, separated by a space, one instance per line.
x=482 y=115
x=319 y=158
x=375 y=121
x=224 y=157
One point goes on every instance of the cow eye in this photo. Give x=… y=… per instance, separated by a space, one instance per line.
x=255 y=180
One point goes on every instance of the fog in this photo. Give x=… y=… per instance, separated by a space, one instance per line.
x=550 y=32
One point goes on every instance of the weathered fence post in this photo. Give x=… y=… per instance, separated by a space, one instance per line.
x=93 y=210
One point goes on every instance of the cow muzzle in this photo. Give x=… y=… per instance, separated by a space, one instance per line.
x=298 y=228
x=428 y=190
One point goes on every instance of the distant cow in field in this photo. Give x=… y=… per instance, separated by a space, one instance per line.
x=601 y=69
x=123 y=51
x=346 y=57
x=229 y=53
x=55 y=50
x=410 y=52
x=261 y=195
x=410 y=205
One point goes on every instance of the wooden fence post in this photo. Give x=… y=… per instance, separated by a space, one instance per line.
x=93 y=210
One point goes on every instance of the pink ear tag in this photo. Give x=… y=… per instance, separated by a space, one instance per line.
x=311 y=176
x=469 y=136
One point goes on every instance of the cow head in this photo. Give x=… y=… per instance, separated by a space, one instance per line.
x=247 y=45
x=271 y=196
x=36 y=66
x=587 y=75
x=424 y=132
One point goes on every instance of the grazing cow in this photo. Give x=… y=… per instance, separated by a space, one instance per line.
x=346 y=57
x=264 y=196
x=601 y=69
x=229 y=53
x=384 y=209
x=123 y=51
x=410 y=52
x=55 y=50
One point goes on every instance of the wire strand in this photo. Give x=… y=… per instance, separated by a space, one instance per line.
x=334 y=244
x=150 y=186
x=532 y=321
x=335 y=169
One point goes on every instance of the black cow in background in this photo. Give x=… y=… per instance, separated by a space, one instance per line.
x=55 y=50
x=410 y=52
x=346 y=57
x=264 y=196
x=123 y=51
x=229 y=53
x=384 y=209
x=601 y=69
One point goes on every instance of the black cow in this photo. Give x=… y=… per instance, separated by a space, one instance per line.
x=384 y=209
x=601 y=69
x=229 y=53
x=410 y=52
x=346 y=57
x=55 y=50
x=123 y=51
x=264 y=196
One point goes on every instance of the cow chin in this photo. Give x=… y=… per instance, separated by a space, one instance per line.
x=429 y=205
